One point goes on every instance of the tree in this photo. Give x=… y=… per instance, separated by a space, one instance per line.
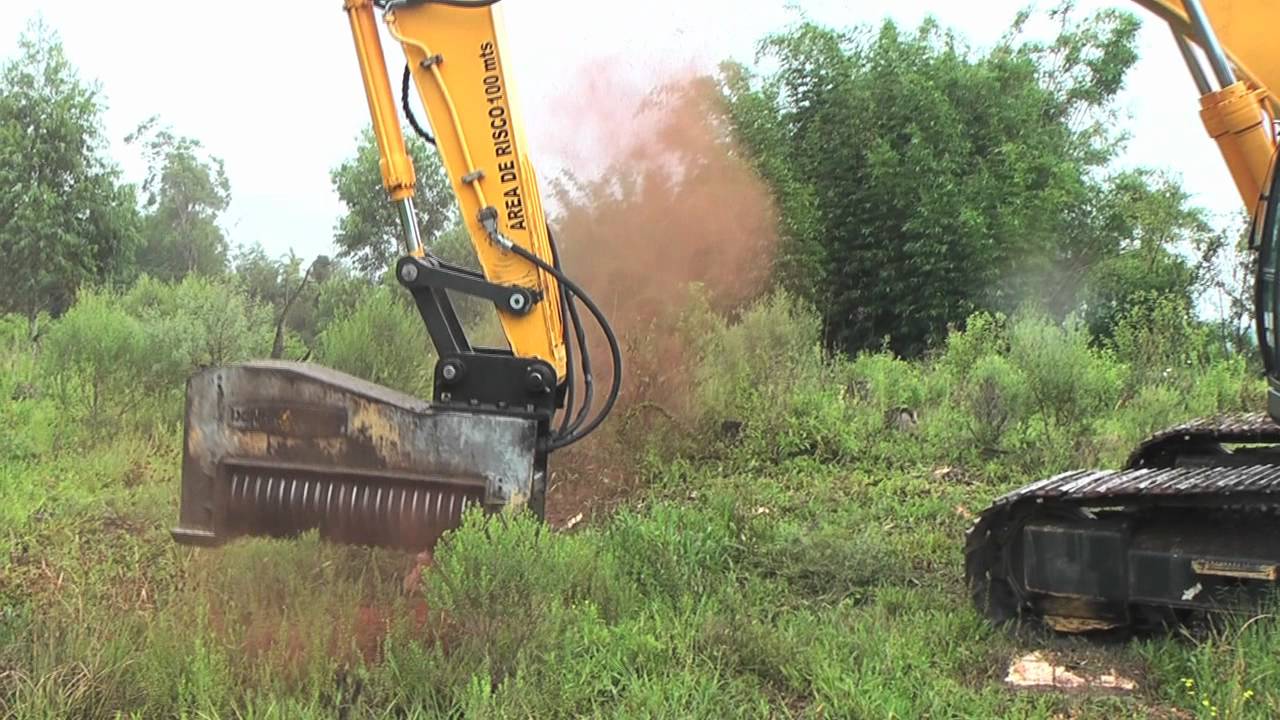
x=1151 y=216
x=288 y=286
x=919 y=181
x=65 y=218
x=369 y=234
x=185 y=191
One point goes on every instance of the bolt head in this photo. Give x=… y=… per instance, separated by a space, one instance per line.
x=516 y=302
x=449 y=372
x=408 y=272
x=535 y=382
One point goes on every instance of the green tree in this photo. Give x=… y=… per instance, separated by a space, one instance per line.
x=65 y=219
x=369 y=235
x=289 y=286
x=919 y=180
x=184 y=193
x=1158 y=231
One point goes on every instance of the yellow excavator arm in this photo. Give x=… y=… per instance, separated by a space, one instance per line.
x=1238 y=40
x=456 y=60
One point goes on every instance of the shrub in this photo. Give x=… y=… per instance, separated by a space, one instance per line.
x=767 y=374
x=98 y=360
x=201 y=322
x=675 y=552
x=1068 y=381
x=984 y=335
x=994 y=397
x=887 y=382
x=1160 y=339
x=498 y=582
x=382 y=340
x=1226 y=385
x=124 y=359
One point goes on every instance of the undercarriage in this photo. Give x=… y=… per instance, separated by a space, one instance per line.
x=1189 y=526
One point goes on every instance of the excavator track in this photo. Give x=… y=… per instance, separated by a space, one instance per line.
x=1190 y=525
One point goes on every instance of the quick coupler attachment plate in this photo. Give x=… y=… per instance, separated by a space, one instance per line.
x=280 y=448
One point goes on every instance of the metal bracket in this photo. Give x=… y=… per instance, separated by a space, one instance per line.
x=491 y=382
x=417 y=274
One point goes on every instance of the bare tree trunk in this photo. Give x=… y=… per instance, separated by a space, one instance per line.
x=277 y=345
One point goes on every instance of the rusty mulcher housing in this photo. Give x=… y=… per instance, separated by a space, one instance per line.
x=278 y=448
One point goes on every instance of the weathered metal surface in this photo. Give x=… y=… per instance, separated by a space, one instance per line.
x=277 y=448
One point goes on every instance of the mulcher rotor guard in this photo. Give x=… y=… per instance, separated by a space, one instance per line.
x=280 y=448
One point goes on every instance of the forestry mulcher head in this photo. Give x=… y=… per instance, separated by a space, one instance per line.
x=279 y=448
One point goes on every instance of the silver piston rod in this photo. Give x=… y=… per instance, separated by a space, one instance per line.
x=409 y=225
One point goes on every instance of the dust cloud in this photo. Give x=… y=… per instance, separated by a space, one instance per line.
x=656 y=198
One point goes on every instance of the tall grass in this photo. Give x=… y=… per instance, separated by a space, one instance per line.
x=796 y=552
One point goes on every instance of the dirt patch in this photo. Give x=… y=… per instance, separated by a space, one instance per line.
x=372 y=624
x=585 y=484
x=1042 y=671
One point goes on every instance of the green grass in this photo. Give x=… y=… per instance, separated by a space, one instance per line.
x=802 y=592
x=807 y=566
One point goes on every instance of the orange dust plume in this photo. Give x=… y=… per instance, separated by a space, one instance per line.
x=673 y=203
x=659 y=198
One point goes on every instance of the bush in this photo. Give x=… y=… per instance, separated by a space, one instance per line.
x=1226 y=385
x=201 y=322
x=119 y=360
x=1069 y=382
x=1160 y=339
x=383 y=341
x=498 y=582
x=887 y=382
x=673 y=552
x=98 y=361
x=767 y=375
x=994 y=397
x=984 y=335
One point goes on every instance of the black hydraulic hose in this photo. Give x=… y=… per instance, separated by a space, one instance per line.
x=408 y=111
x=588 y=379
x=574 y=319
x=563 y=430
x=615 y=349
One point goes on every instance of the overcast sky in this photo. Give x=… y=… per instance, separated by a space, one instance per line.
x=272 y=86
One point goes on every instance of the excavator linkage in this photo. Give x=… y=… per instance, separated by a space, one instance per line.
x=281 y=448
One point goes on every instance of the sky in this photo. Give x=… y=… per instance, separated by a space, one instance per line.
x=273 y=89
